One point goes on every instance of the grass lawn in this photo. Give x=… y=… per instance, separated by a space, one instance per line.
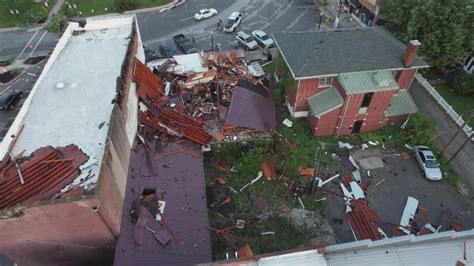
x=28 y=10
x=461 y=104
x=100 y=6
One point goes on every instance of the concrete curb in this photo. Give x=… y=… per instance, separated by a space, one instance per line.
x=168 y=6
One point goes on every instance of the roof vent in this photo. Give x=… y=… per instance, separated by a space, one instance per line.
x=380 y=80
x=60 y=85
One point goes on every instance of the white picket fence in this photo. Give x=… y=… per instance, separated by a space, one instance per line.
x=448 y=108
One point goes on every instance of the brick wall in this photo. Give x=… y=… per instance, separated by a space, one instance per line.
x=122 y=129
x=405 y=78
x=68 y=232
x=306 y=89
x=374 y=115
x=326 y=124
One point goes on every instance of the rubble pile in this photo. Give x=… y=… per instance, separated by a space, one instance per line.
x=191 y=96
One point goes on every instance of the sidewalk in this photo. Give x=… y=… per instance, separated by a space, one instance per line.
x=345 y=19
x=463 y=161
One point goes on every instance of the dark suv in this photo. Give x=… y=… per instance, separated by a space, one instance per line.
x=9 y=99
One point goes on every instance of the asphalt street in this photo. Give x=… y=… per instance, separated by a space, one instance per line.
x=271 y=16
x=26 y=43
x=23 y=83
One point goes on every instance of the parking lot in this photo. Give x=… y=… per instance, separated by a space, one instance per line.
x=388 y=192
x=271 y=16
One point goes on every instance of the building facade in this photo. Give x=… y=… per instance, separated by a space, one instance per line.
x=84 y=96
x=349 y=81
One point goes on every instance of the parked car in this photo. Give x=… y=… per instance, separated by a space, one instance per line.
x=262 y=38
x=246 y=40
x=167 y=50
x=151 y=54
x=232 y=22
x=185 y=44
x=205 y=13
x=428 y=164
x=9 y=99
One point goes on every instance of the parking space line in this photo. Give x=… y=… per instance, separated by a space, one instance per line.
x=36 y=46
x=26 y=46
x=184 y=19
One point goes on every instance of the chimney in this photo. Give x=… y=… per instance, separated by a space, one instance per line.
x=410 y=52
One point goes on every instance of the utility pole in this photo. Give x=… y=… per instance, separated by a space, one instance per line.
x=456 y=134
x=212 y=41
x=320 y=19
x=460 y=148
x=340 y=7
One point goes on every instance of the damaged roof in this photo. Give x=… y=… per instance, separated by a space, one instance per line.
x=177 y=173
x=252 y=106
x=73 y=99
x=338 y=51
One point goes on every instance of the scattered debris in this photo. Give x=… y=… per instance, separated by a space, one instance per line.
x=408 y=214
x=267 y=233
x=345 y=145
x=287 y=122
x=268 y=170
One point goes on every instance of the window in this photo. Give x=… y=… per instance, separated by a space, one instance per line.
x=325 y=82
x=367 y=99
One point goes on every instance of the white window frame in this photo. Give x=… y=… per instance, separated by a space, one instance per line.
x=327 y=82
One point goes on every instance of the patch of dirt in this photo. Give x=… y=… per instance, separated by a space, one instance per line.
x=314 y=222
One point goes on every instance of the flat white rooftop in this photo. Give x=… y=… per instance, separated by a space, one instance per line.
x=72 y=101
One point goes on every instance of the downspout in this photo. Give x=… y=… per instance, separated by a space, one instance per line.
x=343 y=116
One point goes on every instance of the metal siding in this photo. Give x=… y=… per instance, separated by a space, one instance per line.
x=401 y=104
x=355 y=83
x=324 y=102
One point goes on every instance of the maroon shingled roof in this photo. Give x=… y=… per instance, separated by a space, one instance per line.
x=252 y=107
x=179 y=181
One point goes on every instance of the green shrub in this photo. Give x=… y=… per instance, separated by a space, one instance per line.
x=419 y=130
x=56 y=23
x=464 y=84
x=42 y=15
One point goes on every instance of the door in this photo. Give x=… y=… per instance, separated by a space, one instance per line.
x=357 y=126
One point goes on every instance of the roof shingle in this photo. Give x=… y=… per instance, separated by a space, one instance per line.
x=342 y=51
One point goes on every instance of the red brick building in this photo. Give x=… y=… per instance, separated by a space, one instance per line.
x=349 y=81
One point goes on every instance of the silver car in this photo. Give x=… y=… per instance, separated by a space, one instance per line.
x=428 y=164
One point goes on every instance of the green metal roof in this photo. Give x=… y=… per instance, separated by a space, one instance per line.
x=324 y=102
x=402 y=104
x=362 y=82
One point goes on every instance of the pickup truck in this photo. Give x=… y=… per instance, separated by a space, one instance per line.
x=184 y=43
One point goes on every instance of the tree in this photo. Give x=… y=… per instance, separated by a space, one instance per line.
x=42 y=15
x=464 y=84
x=419 y=130
x=443 y=28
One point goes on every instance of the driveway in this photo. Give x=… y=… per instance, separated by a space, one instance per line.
x=463 y=162
x=398 y=179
